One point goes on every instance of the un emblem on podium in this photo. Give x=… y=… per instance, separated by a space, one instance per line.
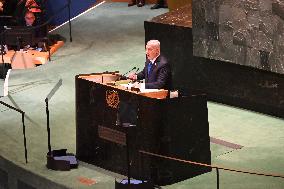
x=112 y=98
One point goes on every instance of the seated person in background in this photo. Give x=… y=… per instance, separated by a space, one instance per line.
x=30 y=20
x=1 y=6
x=35 y=6
x=157 y=73
x=20 y=32
x=23 y=6
x=27 y=35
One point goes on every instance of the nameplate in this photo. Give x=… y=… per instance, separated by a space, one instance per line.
x=112 y=135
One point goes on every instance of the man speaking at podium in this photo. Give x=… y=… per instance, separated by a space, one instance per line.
x=157 y=72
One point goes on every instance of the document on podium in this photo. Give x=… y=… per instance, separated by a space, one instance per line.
x=141 y=87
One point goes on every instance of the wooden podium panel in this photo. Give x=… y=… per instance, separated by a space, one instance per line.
x=176 y=127
x=101 y=77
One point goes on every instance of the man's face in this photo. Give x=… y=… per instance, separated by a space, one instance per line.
x=1 y=6
x=152 y=52
x=29 y=18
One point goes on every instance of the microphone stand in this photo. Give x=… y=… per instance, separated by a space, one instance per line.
x=2 y=49
x=52 y=92
x=47 y=126
x=57 y=159
x=69 y=20
x=136 y=70
x=123 y=76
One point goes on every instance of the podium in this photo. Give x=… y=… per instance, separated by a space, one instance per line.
x=175 y=127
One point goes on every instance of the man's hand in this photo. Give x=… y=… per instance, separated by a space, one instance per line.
x=132 y=76
x=136 y=85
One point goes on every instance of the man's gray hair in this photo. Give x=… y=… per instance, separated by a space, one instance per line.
x=154 y=43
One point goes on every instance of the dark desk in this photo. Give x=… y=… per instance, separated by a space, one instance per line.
x=176 y=127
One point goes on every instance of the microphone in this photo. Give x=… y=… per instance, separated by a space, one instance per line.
x=124 y=77
x=137 y=70
x=136 y=74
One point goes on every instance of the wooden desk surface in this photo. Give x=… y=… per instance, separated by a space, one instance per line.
x=8 y=57
x=38 y=57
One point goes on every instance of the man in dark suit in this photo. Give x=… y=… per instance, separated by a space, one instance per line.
x=30 y=20
x=157 y=72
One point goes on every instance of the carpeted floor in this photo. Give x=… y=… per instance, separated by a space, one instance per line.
x=111 y=37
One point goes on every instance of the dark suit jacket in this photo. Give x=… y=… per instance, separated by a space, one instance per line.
x=39 y=32
x=160 y=74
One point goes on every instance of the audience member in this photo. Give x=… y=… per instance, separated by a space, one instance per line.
x=23 y=6
x=2 y=6
x=30 y=20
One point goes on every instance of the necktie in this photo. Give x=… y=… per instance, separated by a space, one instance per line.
x=149 y=67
